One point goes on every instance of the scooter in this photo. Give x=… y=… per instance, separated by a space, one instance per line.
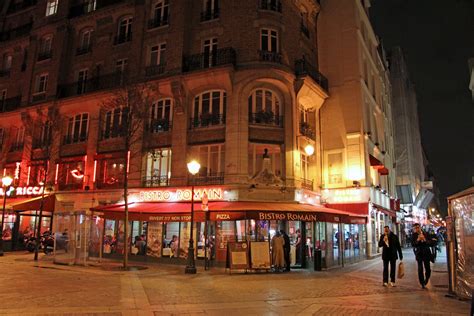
x=46 y=244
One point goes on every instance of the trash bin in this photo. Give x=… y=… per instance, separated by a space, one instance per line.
x=318 y=260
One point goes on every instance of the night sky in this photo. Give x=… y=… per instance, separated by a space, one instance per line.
x=438 y=39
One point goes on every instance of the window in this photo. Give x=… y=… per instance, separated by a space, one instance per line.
x=19 y=139
x=269 y=40
x=161 y=13
x=157 y=54
x=45 y=48
x=82 y=81
x=209 y=108
x=160 y=116
x=85 y=40
x=37 y=173
x=124 y=30
x=77 y=129
x=110 y=173
x=255 y=163
x=264 y=107
x=307 y=123
x=121 y=67
x=52 y=7
x=209 y=49
x=273 y=5
x=41 y=83
x=304 y=23
x=45 y=136
x=71 y=175
x=7 y=62
x=158 y=167
x=304 y=166
x=3 y=98
x=115 y=123
x=210 y=10
x=211 y=158
x=90 y=5
x=335 y=168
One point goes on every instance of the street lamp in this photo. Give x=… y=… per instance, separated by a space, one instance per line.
x=6 y=182
x=193 y=168
x=309 y=150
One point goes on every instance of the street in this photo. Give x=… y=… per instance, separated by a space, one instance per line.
x=43 y=288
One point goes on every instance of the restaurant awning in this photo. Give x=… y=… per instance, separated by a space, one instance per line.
x=35 y=204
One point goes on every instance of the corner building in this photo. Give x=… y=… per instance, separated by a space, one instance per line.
x=237 y=88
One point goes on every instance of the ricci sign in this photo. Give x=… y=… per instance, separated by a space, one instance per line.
x=23 y=191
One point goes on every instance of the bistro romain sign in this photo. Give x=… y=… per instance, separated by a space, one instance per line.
x=286 y=216
x=176 y=195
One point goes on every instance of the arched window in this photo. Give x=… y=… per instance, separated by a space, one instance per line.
x=85 y=39
x=160 y=116
x=209 y=108
x=264 y=107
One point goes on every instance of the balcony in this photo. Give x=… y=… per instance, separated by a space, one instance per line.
x=274 y=5
x=112 y=133
x=273 y=57
x=307 y=130
x=19 y=6
x=304 y=30
x=85 y=8
x=10 y=104
x=209 y=15
x=156 y=181
x=5 y=73
x=211 y=178
x=83 y=50
x=109 y=81
x=45 y=55
x=154 y=70
x=158 y=22
x=16 y=32
x=122 y=38
x=303 y=68
x=159 y=126
x=68 y=139
x=307 y=184
x=219 y=57
x=266 y=118
x=207 y=120
x=38 y=97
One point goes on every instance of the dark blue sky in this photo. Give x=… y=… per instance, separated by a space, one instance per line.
x=438 y=39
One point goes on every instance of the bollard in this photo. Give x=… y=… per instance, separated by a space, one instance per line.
x=318 y=260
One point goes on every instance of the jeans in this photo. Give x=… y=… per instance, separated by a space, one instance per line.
x=423 y=278
x=393 y=265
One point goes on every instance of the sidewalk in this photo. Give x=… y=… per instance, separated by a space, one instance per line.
x=166 y=290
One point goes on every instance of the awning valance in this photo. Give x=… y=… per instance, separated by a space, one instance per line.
x=35 y=204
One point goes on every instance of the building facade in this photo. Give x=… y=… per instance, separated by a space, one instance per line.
x=245 y=104
x=356 y=121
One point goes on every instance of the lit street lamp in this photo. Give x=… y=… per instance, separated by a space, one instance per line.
x=193 y=168
x=6 y=183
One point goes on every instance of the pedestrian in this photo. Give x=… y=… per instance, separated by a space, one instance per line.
x=277 y=251
x=421 y=247
x=286 y=249
x=390 y=253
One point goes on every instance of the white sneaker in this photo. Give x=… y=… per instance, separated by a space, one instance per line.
x=385 y=284
x=392 y=284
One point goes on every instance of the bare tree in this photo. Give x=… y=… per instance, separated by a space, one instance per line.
x=134 y=100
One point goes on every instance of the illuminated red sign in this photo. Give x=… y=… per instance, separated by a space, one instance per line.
x=23 y=191
x=175 y=195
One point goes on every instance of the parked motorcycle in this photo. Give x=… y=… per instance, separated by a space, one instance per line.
x=46 y=243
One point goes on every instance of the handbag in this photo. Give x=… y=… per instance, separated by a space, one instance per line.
x=401 y=270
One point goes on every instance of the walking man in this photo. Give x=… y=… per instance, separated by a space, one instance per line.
x=286 y=249
x=421 y=247
x=390 y=253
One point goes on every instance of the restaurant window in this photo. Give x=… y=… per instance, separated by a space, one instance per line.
x=157 y=54
x=256 y=152
x=115 y=123
x=171 y=241
x=8 y=223
x=269 y=40
x=161 y=13
x=52 y=7
x=158 y=167
x=41 y=83
x=211 y=158
x=209 y=108
x=71 y=175
x=37 y=173
x=77 y=129
x=160 y=116
x=110 y=173
x=264 y=107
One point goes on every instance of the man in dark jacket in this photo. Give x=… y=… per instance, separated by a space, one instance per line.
x=421 y=247
x=390 y=253
x=286 y=249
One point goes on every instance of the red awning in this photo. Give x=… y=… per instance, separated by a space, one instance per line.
x=34 y=204
x=374 y=162
x=358 y=209
x=383 y=171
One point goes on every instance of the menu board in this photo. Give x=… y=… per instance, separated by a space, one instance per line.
x=260 y=255
x=238 y=255
x=155 y=234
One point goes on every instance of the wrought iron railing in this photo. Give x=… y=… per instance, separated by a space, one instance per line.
x=158 y=21
x=206 y=120
x=303 y=68
x=211 y=178
x=10 y=104
x=218 y=57
x=268 y=56
x=123 y=38
x=209 y=15
x=109 y=81
x=159 y=126
x=272 y=5
x=154 y=70
x=307 y=130
x=117 y=132
x=109 y=184
x=266 y=118
x=69 y=139
x=156 y=181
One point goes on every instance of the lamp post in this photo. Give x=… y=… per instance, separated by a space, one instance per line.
x=6 y=182
x=193 y=168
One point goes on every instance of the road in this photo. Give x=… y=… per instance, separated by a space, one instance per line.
x=43 y=288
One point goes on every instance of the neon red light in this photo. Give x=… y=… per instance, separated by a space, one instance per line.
x=128 y=161
x=95 y=170
x=28 y=177
x=77 y=174
x=56 y=175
